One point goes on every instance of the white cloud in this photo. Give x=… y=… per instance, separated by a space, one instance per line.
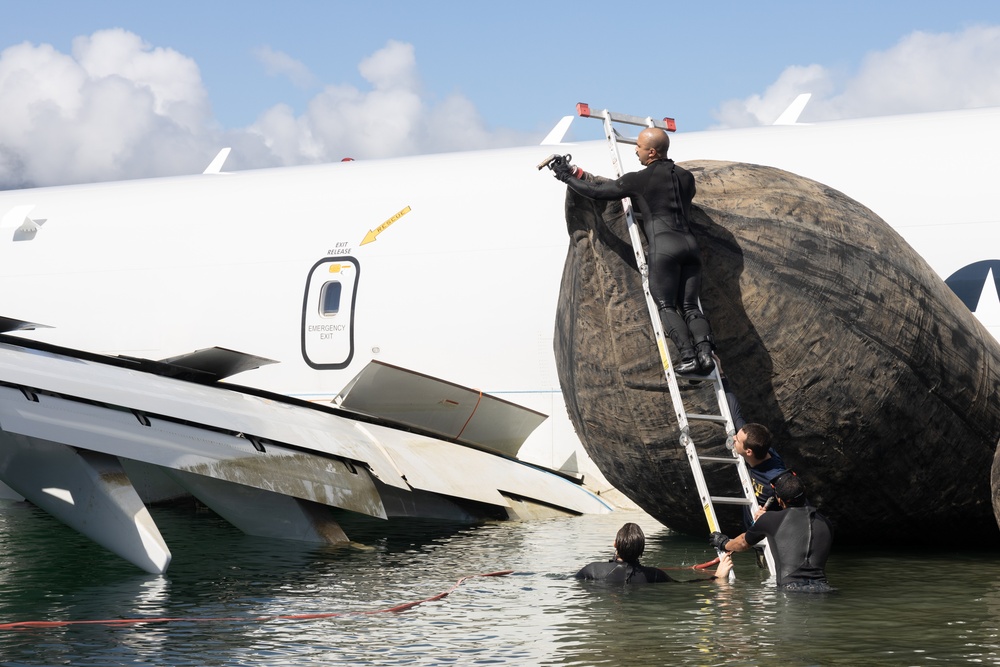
x=923 y=72
x=375 y=123
x=119 y=108
x=116 y=108
x=172 y=79
x=392 y=68
x=279 y=63
x=393 y=117
x=764 y=109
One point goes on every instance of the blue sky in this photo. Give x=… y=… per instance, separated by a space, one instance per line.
x=109 y=90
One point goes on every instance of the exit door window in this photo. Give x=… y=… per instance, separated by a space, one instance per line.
x=330 y=299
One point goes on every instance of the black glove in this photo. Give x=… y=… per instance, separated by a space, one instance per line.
x=562 y=169
x=719 y=541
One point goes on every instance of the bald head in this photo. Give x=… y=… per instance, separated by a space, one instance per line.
x=652 y=144
x=656 y=138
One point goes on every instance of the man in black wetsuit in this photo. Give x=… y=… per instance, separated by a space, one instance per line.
x=800 y=538
x=662 y=194
x=625 y=568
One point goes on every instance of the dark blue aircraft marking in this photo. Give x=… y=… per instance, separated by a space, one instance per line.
x=968 y=282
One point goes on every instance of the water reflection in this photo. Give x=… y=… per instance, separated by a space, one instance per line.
x=891 y=608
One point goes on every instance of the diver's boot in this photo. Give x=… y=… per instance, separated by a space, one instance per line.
x=687 y=365
x=701 y=333
x=705 y=360
x=677 y=331
x=689 y=358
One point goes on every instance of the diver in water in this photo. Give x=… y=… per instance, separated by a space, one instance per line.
x=662 y=194
x=800 y=538
x=625 y=568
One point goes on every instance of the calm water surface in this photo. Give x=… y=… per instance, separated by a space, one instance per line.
x=907 y=608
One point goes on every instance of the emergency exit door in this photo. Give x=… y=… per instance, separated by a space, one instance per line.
x=328 y=313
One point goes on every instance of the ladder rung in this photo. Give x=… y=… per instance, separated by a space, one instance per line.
x=719 y=459
x=707 y=418
x=732 y=501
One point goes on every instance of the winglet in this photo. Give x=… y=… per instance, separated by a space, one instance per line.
x=220 y=159
x=790 y=116
x=558 y=132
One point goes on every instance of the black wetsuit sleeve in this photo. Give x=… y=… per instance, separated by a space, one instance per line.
x=686 y=180
x=603 y=190
x=734 y=405
x=765 y=525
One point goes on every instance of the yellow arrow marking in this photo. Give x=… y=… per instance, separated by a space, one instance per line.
x=370 y=236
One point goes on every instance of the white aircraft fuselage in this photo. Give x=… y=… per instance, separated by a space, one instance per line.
x=448 y=264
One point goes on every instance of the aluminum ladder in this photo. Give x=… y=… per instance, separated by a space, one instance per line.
x=723 y=418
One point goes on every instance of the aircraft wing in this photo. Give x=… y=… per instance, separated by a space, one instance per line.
x=69 y=419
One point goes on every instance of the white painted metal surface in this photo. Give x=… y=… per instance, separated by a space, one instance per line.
x=266 y=464
x=461 y=282
x=441 y=408
x=87 y=491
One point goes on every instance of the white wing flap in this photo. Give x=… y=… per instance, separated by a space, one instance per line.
x=441 y=408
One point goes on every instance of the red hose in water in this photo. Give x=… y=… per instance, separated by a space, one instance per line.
x=699 y=566
x=705 y=566
x=255 y=619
